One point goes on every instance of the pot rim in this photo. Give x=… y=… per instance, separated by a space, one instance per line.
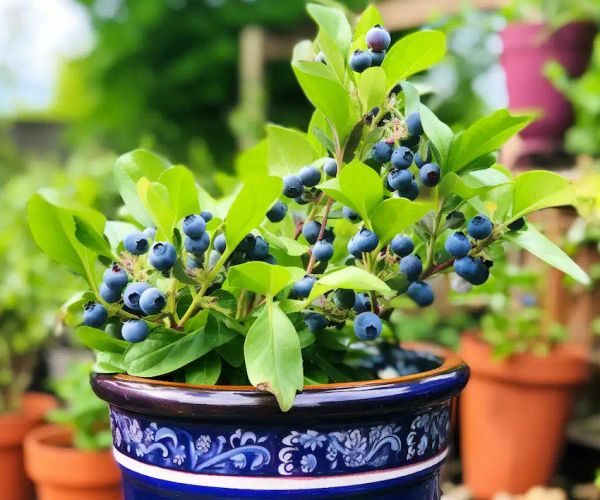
x=378 y=396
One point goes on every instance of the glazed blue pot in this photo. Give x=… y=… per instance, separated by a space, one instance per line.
x=379 y=439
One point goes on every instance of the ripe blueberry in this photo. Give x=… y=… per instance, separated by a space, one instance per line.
x=311 y=230
x=480 y=227
x=329 y=235
x=219 y=243
x=163 y=255
x=517 y=225
x=402 y=157
x=411 y=266
x=413 y=124
x=135 y=330
x=323 y=251
x=399 y=180
x=292 y=186
x=330 y=167
x=247 y=243
x=277 y=212
x=132 y=294
x=421 y=293
x=419 y=162
x=377 y=57
x=150 y=233
x=411 y=193
x=260 y=249
x=197 y=246
x=270 y=259
x=136 y=243
x=365 y=240
x=360 y=60
x=471 y=269
x=402 y=245
x=315 y=322
x=115 y=277
x=352 y=250
x=194 y=226
x=310 y=175
x=213 y=258
x=350 y=214
x=207 y=216
x=430 y=174
x=343 y=298
x=457 y=245
x=482 y=274
x=302 y=288
x=378 y=38
x=110 y=295
x=302 y=199
x=362 y=303
x=367 y=326
x=94 y=314
x=382 y=152
x=152 y=301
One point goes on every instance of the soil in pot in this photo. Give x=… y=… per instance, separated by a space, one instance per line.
x=61 y=472
x=514 y=414
x=14 y=484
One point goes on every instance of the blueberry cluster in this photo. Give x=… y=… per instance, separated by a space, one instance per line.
x=378 y=40
x=301 y=188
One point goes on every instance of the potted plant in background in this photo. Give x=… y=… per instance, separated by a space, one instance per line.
x=226 y=309
x=79 y=440
x=522 y=385
x=540 y=31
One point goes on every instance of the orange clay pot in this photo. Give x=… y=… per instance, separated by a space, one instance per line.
x=61 y=472
x=14 y=484
x=513 y=416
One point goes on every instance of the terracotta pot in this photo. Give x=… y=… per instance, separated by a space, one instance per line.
x=513 y=416
x=14 y=484
x=61 y=472
x=527 y=48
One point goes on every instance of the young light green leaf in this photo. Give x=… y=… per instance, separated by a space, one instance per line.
x=263 y=278
x=253 y=161
x=535 y=242
x=412 y=99
x=394 y=215
x=472 y=183
x=439 y=134
x=289 y=150
x=204 y=371
x=181 y=186
x=285 y=243
x=303 y=51
x=333 y=22
x=485 y=136
x=357 y=186
x=157 y=201
x=109 y=362
x=352 y=278
x=413 y=54
x=100 y=341
x=116 y=230
x=319 y=134
x=371 y=88
x=273 y=355
x=249 y=208
x=131 y=167
x=539 y=189
x=369 y=18
x=89 y=237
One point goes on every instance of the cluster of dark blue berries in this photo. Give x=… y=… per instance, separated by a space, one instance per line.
x=301 y=188
x=378 y=40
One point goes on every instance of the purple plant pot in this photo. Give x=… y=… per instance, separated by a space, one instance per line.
x=527 y=48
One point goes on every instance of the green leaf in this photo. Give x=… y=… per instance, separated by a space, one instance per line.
x=130 y=168
x=157 y=201
x=357 y=186
x=249 y=208
x=181 y=186
x=413 y=54
x=89 y=237
x=439 y=134
x=116 y=230
x=165 y=351
x=394 y=215
x=333 y=22
x=289 y=245
x=109 y=362
x=352 y=278
x=53 y=229
x=485 y=136
x=233 y=352
x=319 y=133
x=539 y=189
x=100 y=341
x=412 y=99
x=327 y=95
x=253 y=161
x=204 y=371
x=472 y=184
x=273 y=355
x=535 y=242
x=371 y=88
x=289 y=150
x=369 y=18
x=263 y=278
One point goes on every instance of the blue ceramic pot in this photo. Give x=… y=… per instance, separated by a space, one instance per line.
x=379 y=439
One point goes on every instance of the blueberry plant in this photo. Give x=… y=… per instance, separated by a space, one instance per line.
x=280 y=283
